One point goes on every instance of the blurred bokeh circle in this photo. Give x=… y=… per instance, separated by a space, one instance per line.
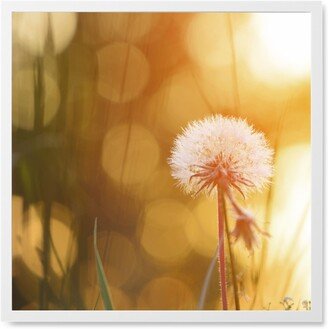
x=25 y=99
x=123 y=72
x=31 y=30
x=163 y=231
x=130 y=154
x=166 y=293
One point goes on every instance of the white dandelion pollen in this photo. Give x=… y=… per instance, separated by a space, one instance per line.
x=221 y=151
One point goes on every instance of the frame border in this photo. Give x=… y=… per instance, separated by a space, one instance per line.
x=313 y=7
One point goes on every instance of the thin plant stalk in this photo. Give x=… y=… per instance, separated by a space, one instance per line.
x=102 y=280
x=208 y=276
x=38 y=124
x=210 y=270
x=232 y=260
x=269 y=201
x=234 y=64
x=221 y=258
x=121 y=92
x=45 y=256
x=207 y=279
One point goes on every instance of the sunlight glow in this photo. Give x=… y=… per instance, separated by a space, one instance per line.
x=286 y=39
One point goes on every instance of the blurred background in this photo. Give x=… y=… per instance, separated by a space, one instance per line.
x=98 y=99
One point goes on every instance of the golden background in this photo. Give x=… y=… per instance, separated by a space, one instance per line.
x=98 y=99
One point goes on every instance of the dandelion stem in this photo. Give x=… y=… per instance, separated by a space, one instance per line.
x=232 y=260
x=221 y=258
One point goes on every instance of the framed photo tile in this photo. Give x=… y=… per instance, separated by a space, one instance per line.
x=161 y=161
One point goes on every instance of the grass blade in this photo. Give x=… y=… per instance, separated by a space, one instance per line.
x=207 y=280
x=102 y=281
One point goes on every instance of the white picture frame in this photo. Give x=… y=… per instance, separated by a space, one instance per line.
x=313 y=315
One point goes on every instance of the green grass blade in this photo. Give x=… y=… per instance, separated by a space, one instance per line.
x=102 y=281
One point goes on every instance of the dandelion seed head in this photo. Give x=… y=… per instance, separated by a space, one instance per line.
x=221 y=151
